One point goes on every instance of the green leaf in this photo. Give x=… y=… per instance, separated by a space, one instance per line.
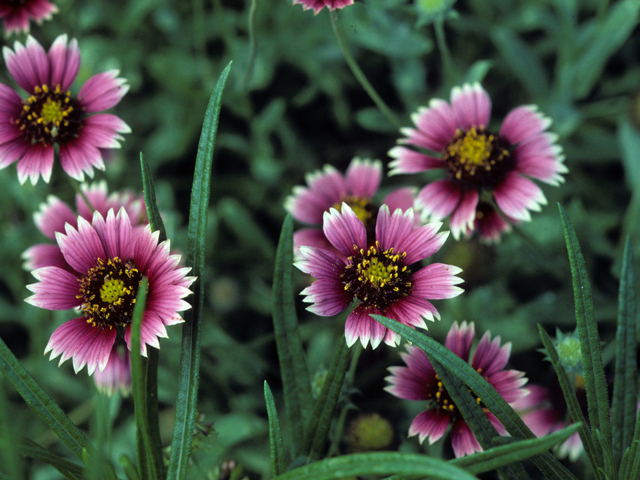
x=605 y=40
x=11 y=461
x=149 y=190
x=523 y=62
x=293 y=366
x=278 y=461
x=623 y=407
x=68 y=469
x=148 y=456
x=594 y=377
x=190 y=354
x=41 y=403
x=379 y=463
x=128 y=467
x=569 y=393
x=317 y=431
x=474 y=417
x=547 y=463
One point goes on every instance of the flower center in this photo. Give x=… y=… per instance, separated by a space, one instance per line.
x=50 y=116
x=477 y=159
x=443 y=399
x=363 y=209
x=378 y=278
x=108 y=292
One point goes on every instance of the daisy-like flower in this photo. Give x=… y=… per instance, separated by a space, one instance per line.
x=51 y=116
x=419 y=381
x=380 y=276
x=116 y=376
x=16 y=14
x=479 y=163
x=108 y=259
x=318 y=5
x=54 y=214
x=328 y=189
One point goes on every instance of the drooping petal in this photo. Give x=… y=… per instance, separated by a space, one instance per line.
x=517 y=195
x=360 y=325
x=36 y=161
x=464 y=216
x=430 y=424
x=462 y=439
x=439 y=199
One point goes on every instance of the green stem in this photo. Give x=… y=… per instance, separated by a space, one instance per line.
x=360 y=76
x=447 y=61
x=78 y=190
x=253 y=14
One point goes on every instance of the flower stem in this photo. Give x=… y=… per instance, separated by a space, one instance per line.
x=78 y=190
x=360 y=76
x=447 y=61
x=253 y=13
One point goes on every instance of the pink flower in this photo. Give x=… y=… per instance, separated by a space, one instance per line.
x=480 y=164
x=107 y=261
x=380 y=276
x=116 y=376
x=54 y=214
x=318 y=5
x=419 y=381
x=328 y=189
x=51 y=115
x=16 y=14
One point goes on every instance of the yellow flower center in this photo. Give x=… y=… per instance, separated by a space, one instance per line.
x=361 y=207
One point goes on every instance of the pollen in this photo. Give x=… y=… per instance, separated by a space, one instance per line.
x=476 y=158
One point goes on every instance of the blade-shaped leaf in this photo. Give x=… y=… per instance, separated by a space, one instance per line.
x=594 y=377
x=190 y=354
x=128 y=467
x=379 y=463
x=41 y=403
x=318 y=429
x=278 y=461
x=149 y=190
x=474 y=417
x=624 y=402
x=68 y=469
x=569 y=393
x=148 y=456
x=293 y=366
x=547 y=463
x=11 y=461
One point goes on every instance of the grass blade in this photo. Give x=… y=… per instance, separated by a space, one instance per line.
x=318 y=429
x=594 y=378
x=66 y=468
x=547 y=463
x=149 y=190
x=293 y=366
x=278 y=461
x=41 y=403
x=190 y=354
x=624 y=386
x=379 y=463
x=11 y=461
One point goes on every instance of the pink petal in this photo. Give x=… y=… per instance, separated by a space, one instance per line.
x=460 y=338
x=360 y=325
x=439 y=199
x=508 y=384
x=472 y=106
x=344 y=230
x=421 y=243
x=82 y=247
x=391 y=229
x=463 y=218
x=462 y=439
x=12 y=151
x=320 y=263
x=29 y=65
x=401 y=198
x=436 y=126
x=409 y=161
x=517 y=195
x=328 y=297
x=431 y=423
x=310 y=237
x=326 y=189
x=65 y=61
x=52 y=217
x=78 y=156
x=102 y=91
x=115 y=234
x=436 y=282
x=523 y=122
x=57 y=289
x=489 y=356
x=37 y=160
x=43 y=255
x=411 y=310
x=363 y=178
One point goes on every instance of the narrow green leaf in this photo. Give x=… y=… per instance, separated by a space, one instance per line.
x=320 y=422
x=633 y=472
x=66 y=468
x=11 y=461
x=190 y=354
x=278 y=461
x=149 y=190
x=594 y=377
x=148 y=456
x=605 y=40
x=293 y=366
x=128 y=467
x=41 y=403
x=547 y=463
x=523 y=62
x=608 y=470
x=569 y=393
x=379 y=463
x=474 y=417
x=623 y=407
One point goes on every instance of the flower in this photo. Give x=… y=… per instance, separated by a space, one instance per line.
x=545 y=411
x=16 y=14
x=116 y=376
x=419 y=381
x=479 y=164
x=328 y=189
x=318 y=5
x=378 y=275
x=54 y=214
x=51 y=115
x=107 y=261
